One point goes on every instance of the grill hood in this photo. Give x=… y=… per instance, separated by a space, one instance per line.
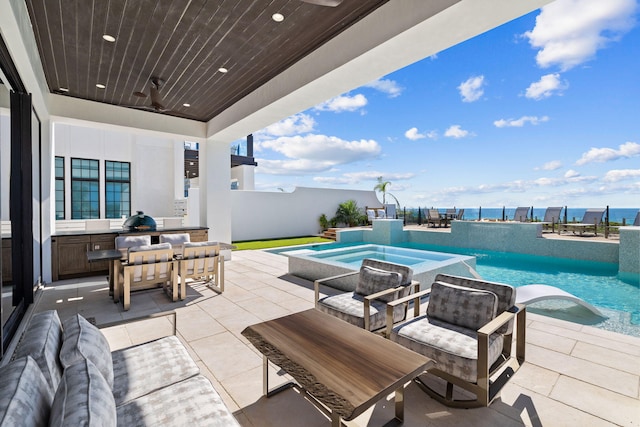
x=139 y=222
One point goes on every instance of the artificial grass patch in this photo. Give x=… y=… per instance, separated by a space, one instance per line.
x=275 y=243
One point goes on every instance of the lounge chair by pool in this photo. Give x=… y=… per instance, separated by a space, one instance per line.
x=591 y=219
x=532 y=293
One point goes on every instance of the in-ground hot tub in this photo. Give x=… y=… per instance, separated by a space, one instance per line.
x=314 y=262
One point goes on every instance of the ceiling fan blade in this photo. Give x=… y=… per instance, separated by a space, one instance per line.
x=154 y=92
x=330 y=3
x=140 y=94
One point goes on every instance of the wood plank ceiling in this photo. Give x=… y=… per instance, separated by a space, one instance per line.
x=184 y=43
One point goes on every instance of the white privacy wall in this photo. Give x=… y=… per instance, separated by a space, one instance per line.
x=154 y=163
x=263 y=215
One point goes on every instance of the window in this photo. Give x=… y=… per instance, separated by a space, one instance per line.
x=117 y=189
x=85 y=194
x=59 y=187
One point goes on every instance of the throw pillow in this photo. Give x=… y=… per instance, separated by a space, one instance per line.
x=466 y=307
x=372 y=280
x=82 y=340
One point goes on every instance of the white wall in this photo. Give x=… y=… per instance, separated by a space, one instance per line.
x=264 y=215
x=152 y=157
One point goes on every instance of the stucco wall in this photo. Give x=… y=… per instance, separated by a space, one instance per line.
x=154 y=164
x=264 y=215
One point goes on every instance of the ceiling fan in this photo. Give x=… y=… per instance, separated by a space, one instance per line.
x=330 y=3
x=154 y=93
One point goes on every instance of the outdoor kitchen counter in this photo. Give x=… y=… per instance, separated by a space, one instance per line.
x=69 y=248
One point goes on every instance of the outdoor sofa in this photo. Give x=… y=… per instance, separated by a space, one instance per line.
x=64 y=374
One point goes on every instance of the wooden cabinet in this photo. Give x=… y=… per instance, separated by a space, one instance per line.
x=101 y=242
x=69 y=256
x=69 y=252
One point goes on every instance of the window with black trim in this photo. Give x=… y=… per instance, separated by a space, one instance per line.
x=85 y=193
x=117 y=189
x=59 y=187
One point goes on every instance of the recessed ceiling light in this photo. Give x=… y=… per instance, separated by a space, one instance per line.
x=186 y=105
x=222 y=70
x=100 y=86
x=278 y=17
x=63 y=89
x=109 y=38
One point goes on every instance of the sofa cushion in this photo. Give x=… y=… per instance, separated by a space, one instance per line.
x=145 y=368
x=191 y=402
x=83 y=398
x=453 y=348
x=42 y=340
x=25 y=396
x=350 y=308
x=466 y=307
x=372 y=280
x=82 y=340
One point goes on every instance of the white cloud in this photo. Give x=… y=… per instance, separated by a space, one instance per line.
x=549 y=84
x=601 y=155
x=550 y=166
x=571 y=174
x=352 y=178
x=292 y=167
x=390 y=87
x=534 y=120
x=456 y=131
x=570 y=32
x=471 y=89
x=298 y=123
x=343 y=103
x=414 y=135
x=621 y=174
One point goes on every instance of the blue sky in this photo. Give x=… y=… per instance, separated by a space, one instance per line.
x=541 y=111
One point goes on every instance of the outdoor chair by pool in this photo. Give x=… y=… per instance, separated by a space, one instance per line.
x=378 y=283
x=521 y=214
x=636 y=222
x=371 y=215
x=468 y=329
x=551 y=217
x=381 y=214
x=202 y=261
x=433 y=217
x=590 y=221
x=451 y=213
x=149 y=267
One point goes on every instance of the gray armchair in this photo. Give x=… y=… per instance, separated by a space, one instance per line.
x=468 y=330
x=379 y=282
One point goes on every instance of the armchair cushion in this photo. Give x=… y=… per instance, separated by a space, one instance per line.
x=42 y=340
x=461 y=306
x=83 y=398
x=82 y=340
x=350 y=308
x=454 y=348
x=372 y=280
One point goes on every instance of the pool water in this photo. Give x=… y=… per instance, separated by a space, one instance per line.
x=594 y=282
x=353 y=255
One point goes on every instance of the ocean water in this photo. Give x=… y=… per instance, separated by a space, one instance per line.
x=615 y=214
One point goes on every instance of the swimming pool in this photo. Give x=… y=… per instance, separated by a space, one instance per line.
x=314 y=262
x=595 y=282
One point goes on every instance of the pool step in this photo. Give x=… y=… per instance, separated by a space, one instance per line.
x=330 y=233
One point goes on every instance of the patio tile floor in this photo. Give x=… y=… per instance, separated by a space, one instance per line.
x=574 y=374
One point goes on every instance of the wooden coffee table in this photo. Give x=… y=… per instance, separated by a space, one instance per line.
x=345 y=368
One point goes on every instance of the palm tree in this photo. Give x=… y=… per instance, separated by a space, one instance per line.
x=348 y=213
x=382 y=187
